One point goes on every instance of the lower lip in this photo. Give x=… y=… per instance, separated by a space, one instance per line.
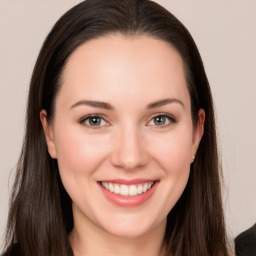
x=129 y=201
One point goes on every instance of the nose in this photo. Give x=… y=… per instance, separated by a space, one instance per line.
x=129 y=151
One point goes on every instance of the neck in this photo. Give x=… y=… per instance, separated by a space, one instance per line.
x=93 y=241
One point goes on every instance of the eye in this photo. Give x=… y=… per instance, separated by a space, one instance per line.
x=161 y=120
x=94 y=121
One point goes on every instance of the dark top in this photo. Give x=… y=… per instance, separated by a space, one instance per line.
x=13 y=251
x=245 y=243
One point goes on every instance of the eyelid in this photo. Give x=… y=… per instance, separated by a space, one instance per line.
x=84 y=118
x=170 y=117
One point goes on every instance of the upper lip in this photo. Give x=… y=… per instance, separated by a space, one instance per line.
x=128 y=182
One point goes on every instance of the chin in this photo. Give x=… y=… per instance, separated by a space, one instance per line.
x=131 y=233
x=131 y=228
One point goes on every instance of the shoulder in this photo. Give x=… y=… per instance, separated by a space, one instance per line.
x=14 y=250
x=245 y=243
x=247 y=234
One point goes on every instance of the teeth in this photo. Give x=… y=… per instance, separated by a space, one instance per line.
x=145 y=187
x=104 y=185
x=127 y=190
x=139 y=191
x=133 y=191
x=116 y=189
x=124 y=190
x=111 y=187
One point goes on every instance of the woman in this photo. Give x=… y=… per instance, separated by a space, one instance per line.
x=120 y=153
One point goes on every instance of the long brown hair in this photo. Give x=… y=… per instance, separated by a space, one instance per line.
x=40 y=216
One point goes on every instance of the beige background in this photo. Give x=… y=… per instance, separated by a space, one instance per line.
x=225 y=32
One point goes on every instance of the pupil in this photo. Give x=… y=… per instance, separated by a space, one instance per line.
x=159 y=120
x=94 y=121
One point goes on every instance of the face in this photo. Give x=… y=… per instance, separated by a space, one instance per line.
x=122 y=133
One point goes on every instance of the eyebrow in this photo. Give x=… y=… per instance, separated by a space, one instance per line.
x=163 y=102
x=95 y=104
x=104 y=105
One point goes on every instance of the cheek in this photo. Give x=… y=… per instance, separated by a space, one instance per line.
x=173 y=154
x=173 y=151
x=77 y=152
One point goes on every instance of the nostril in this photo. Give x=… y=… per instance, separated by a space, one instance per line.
x=129 y=163
x=129 y=151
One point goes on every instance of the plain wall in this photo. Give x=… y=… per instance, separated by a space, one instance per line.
x=225 y=33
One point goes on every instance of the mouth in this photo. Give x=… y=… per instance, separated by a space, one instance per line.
x=128 y=193
x=127 y=190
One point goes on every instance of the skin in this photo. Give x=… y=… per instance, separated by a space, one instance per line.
x=129 y=73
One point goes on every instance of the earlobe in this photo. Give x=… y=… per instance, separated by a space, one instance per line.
x=48 y=132
x=199 y=131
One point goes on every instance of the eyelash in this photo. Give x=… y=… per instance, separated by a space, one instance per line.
x=87 y=118
x=171 y=120
x=83 y=120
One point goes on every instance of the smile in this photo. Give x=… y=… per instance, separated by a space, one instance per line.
x=127 y=190
x=128 y=193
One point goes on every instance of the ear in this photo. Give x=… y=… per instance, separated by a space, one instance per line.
x=48 y=132
x=198 y=132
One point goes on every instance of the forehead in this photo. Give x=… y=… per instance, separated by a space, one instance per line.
x=117 y=65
